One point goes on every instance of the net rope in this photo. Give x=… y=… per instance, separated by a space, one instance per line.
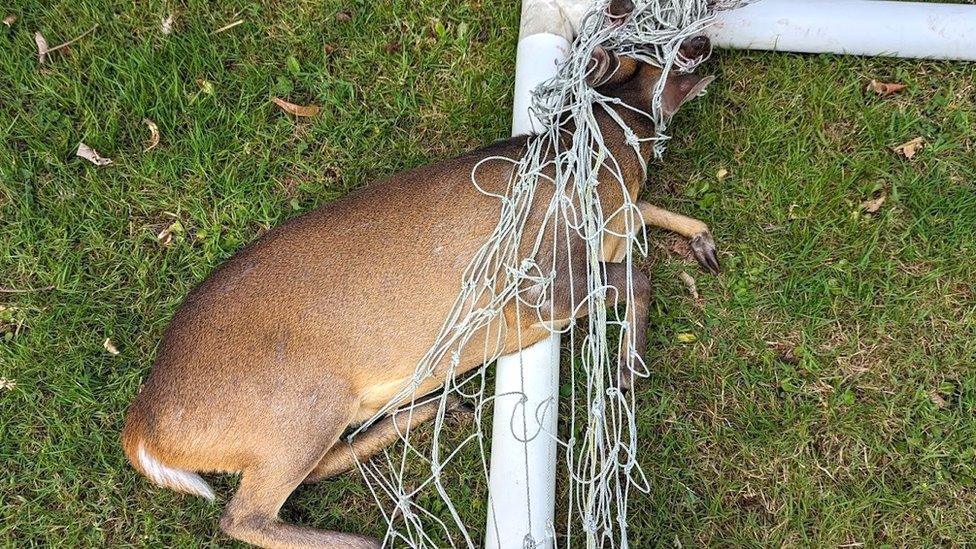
x=600 y=448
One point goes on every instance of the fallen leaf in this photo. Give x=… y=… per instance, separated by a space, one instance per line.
x=165 y=237
x=680 y=248
x=790 y=213
x=328 y=49
x=153 y=134
x=885 y=88
x=110 y=347
x=690 y=284
x=205 y=86
x=937 y=399
x=685 y=337
x=873 y=205
x=721 y=174
x=8 y=384
x=785 y=351
x=297 y=110
x=166 y=27
x=42 y=47
x=10 y=20
x=909 y=149
x=344 y=16
x=91 y=155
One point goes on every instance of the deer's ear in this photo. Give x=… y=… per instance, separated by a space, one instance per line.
x=681 y=89
x=600 y=67
x=610 y=70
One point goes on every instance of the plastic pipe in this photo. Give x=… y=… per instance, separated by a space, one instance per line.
x=857 y=27
x=522 y=478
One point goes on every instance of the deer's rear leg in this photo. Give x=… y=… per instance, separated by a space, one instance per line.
x=284 y=457
x=700 y=239
x=252 y=514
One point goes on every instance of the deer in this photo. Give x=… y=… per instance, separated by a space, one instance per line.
x=312 y=328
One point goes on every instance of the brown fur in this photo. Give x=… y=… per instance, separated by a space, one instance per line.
x=313 y=327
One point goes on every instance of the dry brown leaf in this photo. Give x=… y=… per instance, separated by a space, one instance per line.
x=110 y=347
x=42 y=47
x=154 y=134
x=873 y=205
x=937 y=399
x=297 y=110
x=909 y=149
x=166 y=27
x=690 y=284
x=165 y=237
x=10 y=20
x=91 y=155
x=785 y=351
x=885 y=88
x=344 y=16
x=680 y=248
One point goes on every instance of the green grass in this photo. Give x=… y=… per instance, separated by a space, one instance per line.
x=829 y=398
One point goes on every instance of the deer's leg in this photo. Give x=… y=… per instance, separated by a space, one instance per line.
x=275 y=471
x=634 y=336
x=702 y=243
x=570 y=290
x=343 y=456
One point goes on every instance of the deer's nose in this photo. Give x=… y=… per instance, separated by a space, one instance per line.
x=696 y=47
x=619 y=8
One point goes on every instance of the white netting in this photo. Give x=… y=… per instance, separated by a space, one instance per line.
x=600 y=446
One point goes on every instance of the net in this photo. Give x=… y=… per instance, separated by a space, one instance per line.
x=599 y=446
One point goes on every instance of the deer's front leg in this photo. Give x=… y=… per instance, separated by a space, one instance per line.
x=702 y=243
x=570 y=291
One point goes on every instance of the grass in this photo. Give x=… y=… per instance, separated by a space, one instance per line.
x=828 y=399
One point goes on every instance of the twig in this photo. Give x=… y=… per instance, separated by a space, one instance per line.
x=72 y=41
x=228 y=27
x=690 y=284
x=24 y=291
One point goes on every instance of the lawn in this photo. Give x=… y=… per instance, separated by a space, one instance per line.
x=828 y=395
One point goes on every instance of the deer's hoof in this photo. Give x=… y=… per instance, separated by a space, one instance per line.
x=703 y=247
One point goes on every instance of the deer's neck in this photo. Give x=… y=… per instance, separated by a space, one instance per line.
x=632 y=161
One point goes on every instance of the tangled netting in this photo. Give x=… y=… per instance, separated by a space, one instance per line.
x=600 y=443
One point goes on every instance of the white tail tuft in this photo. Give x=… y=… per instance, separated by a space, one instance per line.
x=176 y=479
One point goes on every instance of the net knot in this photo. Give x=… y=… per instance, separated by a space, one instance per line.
x=597 y=409
x=403 y=505
x=630 y=138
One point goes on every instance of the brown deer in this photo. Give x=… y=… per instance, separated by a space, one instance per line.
x=316 y=325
